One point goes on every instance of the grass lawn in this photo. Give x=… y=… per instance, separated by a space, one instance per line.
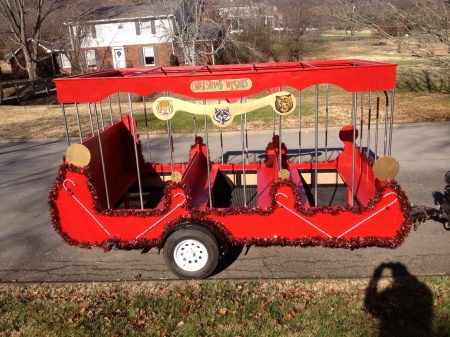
x=407 y=307
x=45 y=121
x=422 y=94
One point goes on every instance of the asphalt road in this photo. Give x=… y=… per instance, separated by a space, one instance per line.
x=31 y=251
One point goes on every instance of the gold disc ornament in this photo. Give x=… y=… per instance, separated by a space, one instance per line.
x=78 y=155
x=386 y=168
x=284 y=174
x=176 y=176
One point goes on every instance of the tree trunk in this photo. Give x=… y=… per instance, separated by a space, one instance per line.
x=30 y=64
x=399 y=39
x=32 y=71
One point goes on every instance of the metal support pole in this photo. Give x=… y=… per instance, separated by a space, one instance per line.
x=280 y=140
x=299 y=126
x=326 y=123
x=243 y=162
x=90 y=118
x=65 y=124
x=133 y=133
x=146 y=129
x=169 y=134
x=392 y=121
x=221 y=140
x=195 y=126
x=361 y=124
x=110 y=110
x=368 y=123
x=354 y=112
x=101 y=115
x=78 y=122
x=376 y=126
x=169 y=129
x=273 y=122
x=386 y=122
x=102 y=158
x=221 y=146
x=316 y=151
x=195 y=123
x=246 y=135
x=279 y=137
x=208 y=168
x=118 y=102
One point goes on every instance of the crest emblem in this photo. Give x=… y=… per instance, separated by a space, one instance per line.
x=164 y=107
x=284 y=103
x=222 y=115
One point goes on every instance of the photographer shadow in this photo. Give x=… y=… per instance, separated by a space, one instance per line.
x=405 y=307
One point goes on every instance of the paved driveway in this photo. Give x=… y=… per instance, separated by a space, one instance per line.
x=31 y=251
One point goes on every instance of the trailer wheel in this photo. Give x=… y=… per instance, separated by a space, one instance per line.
x=191 y=253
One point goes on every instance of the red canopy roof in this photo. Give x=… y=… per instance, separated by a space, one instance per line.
x=227 y=81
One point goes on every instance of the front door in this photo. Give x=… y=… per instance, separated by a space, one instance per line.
x=119 y=57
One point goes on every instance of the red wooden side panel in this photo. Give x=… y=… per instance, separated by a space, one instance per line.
x=296 y=179
x=119 y=161
x=82 y=224
x=364 y=180
x=265 y=176
x=196 y=177
x=113 y=158
x=383 y=221
x=200 y=193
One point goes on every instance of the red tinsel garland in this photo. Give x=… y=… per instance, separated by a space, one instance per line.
x=201 y=217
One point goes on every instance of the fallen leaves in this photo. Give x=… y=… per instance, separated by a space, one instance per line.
x=222 y=311
x=208 y=308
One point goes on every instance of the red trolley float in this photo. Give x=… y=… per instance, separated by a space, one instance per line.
x=107 y=194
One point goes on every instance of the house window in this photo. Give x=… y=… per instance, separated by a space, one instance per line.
x=148 y=54
x=234 y=24
x=63 y=61
x=91 y=60
x=270 y=21
x=146 y=27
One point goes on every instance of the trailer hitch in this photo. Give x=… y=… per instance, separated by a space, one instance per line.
x=420 y=214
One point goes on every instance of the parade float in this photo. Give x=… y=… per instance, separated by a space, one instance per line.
x=110 y=193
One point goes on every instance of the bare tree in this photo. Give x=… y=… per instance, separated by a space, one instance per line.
x=200 y=30
x=24 y=20
x=298 y=19
x=68 y=27
x=396 y=19
x=419 y=18
x=76 y=33
x=250 y=35
x=185 y=28
x=347 y=13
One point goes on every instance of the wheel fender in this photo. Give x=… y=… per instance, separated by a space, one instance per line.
x=223 y=243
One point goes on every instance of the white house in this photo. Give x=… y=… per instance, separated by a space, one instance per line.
x=124 y=36
x=237 y=13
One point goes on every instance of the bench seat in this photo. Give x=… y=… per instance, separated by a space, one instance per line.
x=195 y=175
x=119 y=161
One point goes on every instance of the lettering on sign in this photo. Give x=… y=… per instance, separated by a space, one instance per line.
x=221 y=85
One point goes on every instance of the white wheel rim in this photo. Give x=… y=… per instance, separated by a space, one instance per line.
x=190 y=255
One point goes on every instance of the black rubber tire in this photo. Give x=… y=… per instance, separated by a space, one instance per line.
x=191 y=253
